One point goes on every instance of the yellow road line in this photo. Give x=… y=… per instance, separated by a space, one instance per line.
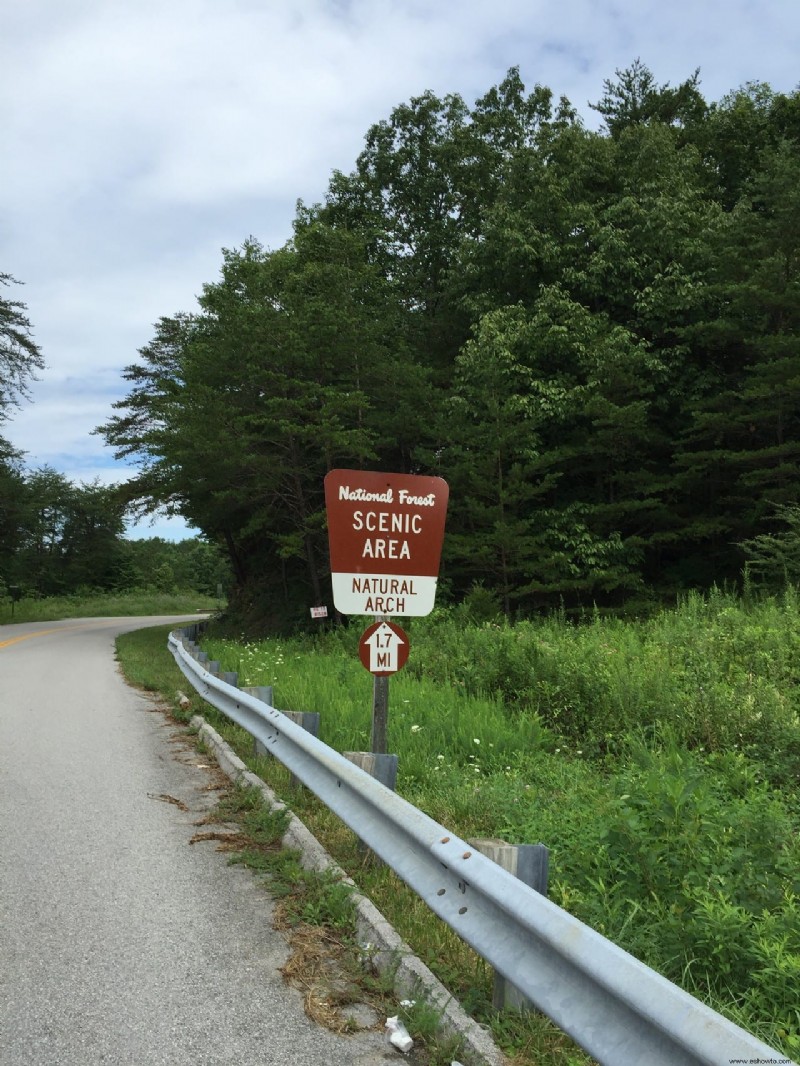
x=27 y=636
x=45 y=633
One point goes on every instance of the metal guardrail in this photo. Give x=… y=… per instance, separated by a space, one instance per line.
x=616 y=1008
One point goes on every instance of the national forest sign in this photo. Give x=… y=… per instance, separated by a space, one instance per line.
x=385 y=533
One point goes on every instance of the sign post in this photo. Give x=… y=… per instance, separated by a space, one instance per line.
x=385 y=533
x=379 y=737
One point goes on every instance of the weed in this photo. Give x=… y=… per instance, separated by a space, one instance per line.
x=424 y=1023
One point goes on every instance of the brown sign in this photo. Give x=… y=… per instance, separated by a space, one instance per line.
x=383 y=648
x=385 y=533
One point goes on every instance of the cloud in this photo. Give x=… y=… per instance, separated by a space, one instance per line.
x=140 y=137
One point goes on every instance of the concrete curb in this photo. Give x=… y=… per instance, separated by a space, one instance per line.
x=388 y=951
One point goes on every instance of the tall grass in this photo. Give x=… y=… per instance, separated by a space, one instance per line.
x=88 y=603
x=713 y=674
x=658 y=760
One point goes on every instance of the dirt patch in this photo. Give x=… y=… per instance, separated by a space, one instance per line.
x=318 y=967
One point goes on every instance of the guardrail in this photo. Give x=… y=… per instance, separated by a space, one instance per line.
x=617 y=1009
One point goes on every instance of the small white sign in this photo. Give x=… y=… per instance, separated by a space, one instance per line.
x=319 y=612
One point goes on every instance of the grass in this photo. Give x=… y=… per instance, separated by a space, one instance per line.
x=658 y=761
x=89 y=604
x=530 y=1039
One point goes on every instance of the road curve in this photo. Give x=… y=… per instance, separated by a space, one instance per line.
x=119 y=943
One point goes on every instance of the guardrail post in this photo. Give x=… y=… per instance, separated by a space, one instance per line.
x=378 y=765
x=309 y=720
x=213 y=667
x=263 y=693
x=230 y=677
x=530 y=863
x=382 y=767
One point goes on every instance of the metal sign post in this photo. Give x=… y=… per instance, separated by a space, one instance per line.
x=379 y=741
x=16 y=594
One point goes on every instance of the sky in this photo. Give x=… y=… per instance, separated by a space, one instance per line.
x=141 y=137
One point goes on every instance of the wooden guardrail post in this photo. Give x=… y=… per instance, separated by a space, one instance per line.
x=382 y=767
x=309 y=720
x=529 y=863
x=263 y=693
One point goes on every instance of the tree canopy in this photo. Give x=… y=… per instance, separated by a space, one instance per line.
x=592 y=335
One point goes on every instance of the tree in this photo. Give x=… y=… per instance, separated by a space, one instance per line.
x=490 y=456
x=405 y=197
x=68 y=535
x=91 y=537
x=559 y=499
x=636 y=99
x=606 y=244
x=20 y=357
x=12 y=493
x=772 y=559
x=738 y=131
x=286 y=361
x=192 y=563
x=738 y=455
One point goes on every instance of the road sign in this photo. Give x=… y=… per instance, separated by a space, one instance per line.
x=385 y=533
x=383 y=648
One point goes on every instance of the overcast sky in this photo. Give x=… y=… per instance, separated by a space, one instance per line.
x=140 y=137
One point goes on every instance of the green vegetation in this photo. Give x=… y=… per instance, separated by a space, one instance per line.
x=88 y=603
x=658 y=760
x=65 y=542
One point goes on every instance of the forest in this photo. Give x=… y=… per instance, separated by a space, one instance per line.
x=590 y=333
x=58 y=538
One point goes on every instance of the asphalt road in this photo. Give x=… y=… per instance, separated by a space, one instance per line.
x=120 y=943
